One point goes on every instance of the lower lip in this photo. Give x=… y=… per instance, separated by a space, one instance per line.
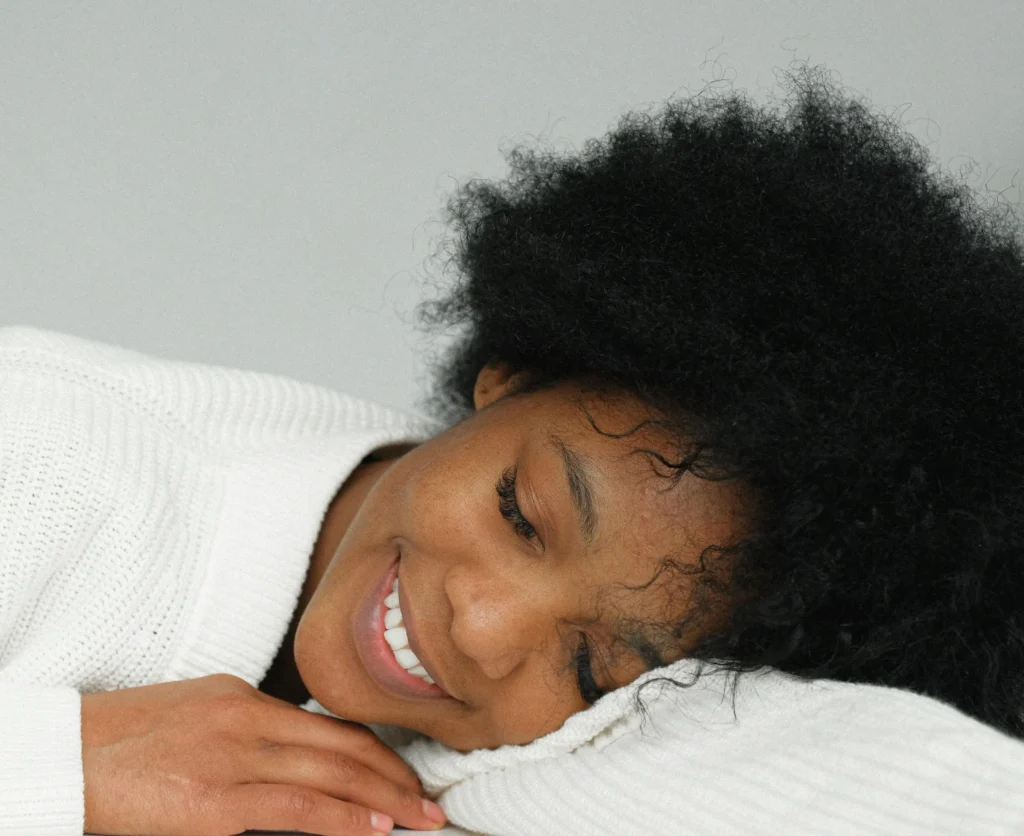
x=376 y=653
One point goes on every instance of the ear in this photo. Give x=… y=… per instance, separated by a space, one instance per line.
x=492 y=383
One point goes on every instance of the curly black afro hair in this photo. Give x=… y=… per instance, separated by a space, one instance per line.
x=803 y=307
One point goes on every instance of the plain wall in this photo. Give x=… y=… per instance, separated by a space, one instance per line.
x=260 y=185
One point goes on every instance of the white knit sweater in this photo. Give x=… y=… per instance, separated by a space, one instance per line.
x=156 y=523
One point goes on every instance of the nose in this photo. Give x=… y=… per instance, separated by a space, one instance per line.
x=499 y=621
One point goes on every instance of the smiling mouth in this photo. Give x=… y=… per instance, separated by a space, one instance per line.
x=376 y=653
x=398 y=634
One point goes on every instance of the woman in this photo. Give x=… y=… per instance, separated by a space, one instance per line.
x=733 y=387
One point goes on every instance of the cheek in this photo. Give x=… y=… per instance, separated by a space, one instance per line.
x=532 y=710
x=435 y=501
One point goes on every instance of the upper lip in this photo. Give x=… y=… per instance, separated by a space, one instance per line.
x=414 y=644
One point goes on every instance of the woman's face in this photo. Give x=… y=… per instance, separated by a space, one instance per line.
x=498 y=613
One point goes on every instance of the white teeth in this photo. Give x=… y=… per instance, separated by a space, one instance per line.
x=406 y=658
x=398 y=639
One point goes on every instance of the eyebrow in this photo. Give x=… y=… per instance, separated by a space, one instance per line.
x=581 y=490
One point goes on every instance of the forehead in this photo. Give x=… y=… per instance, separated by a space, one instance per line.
x=649 y=522
x=645 y=514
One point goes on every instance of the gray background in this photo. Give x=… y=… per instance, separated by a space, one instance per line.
x=260 y=185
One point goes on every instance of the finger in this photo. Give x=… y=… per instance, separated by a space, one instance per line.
x=297 y=727
x=335 y=774
x=286 y=808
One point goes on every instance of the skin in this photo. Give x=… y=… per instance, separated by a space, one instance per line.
x=485 y=600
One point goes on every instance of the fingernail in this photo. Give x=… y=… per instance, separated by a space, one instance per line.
x=432 y=811
x=381 y=824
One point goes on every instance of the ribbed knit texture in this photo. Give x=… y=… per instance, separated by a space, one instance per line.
x=157 y=521
x=799 y=757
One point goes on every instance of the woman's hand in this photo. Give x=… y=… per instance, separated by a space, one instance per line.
x=215 y=756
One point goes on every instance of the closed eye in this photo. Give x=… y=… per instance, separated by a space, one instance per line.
x=509 y=507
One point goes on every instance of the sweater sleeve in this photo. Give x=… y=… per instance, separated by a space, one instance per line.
x=156 y=524
x=42 y=790
x=797 y=757
x=71 y=547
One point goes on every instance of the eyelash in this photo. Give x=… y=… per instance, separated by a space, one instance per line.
x=584 y=674
x=509 y=508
